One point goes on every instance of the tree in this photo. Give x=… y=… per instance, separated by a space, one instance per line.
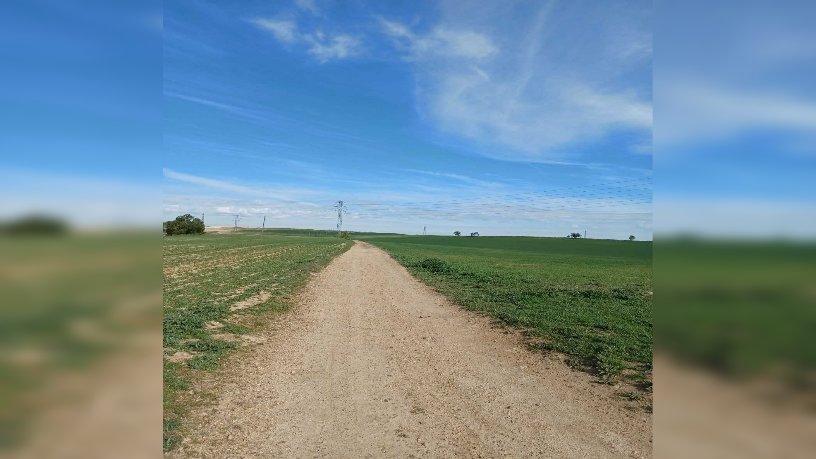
x=457 y=233
x=34 y=224
x=183 y=224
x=631 y=237
x=574 y=235
x=474 y=234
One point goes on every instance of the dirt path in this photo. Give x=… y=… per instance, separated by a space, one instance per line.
x=375 y=364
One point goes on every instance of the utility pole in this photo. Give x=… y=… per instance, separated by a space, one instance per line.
x=202 y=217
x=341 y=209
x=263 y=227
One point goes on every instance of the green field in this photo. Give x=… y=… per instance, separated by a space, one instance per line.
x=71 y=304
x=590 y=299
x=217 y=290
x=742 y=308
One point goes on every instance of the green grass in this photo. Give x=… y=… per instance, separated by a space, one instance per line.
x=308 y=232
x=741 y=308
x=70 y=303
x=204 y=275
x=589 y=299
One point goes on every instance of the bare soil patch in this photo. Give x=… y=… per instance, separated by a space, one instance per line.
x=251 y=301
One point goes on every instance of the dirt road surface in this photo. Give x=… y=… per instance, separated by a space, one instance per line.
x=373 y=363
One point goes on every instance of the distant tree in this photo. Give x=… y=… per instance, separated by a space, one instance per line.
x=183 y=224
x=34 y=224
x=631 y=237
x=474 y=234
x=575 y=235
x=457 y=233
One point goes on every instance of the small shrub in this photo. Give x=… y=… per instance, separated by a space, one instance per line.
x=608 y=363
x=435 y=265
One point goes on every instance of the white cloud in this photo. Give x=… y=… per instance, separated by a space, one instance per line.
x=440 y=42
x=533 y=86
x=285 y=31
x=459 y=177
x=472 y=103
x=207 y=182
x=282 y=194
x=702 y=110
x=337 y=47
x=321 y=46
x=308 y=5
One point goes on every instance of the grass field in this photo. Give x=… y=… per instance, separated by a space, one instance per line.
x=71 y=304
x=590 y=299
x=217 y=289
x=742 y=308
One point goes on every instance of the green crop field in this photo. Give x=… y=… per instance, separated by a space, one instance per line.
x=73 y=304
x=217 y=289
x=742 y=308
x=590 y=299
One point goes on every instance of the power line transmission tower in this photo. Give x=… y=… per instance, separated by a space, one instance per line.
x=424 y=230
x=236 y=224
x=263 y=227
x=341 y=209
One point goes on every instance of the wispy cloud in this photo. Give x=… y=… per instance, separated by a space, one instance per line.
x=537 y=85
x=282 y=195
x=323 y=47
x=284 y=30
x=233 y=109
x=207 y=182
x=308 y=5
x=439 y=42
x=703 y=110
x=458 y=177
x=326 y=48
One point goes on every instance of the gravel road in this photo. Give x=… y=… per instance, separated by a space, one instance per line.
x=372 y=363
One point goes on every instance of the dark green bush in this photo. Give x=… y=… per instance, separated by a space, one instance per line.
x=435 y=265
x=183 y=224
x=34 y=224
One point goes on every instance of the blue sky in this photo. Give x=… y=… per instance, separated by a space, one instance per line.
x=735 y=105
x=499 y=117
x=80 y=109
